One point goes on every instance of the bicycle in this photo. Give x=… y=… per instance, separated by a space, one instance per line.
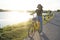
x=32 y=29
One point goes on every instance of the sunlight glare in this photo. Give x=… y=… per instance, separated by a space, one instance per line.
x=17 y=17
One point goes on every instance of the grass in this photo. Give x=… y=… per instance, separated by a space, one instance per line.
x=20 y=31
x=47 y=18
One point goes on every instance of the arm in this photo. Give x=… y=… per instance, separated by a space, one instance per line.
x=32 y=13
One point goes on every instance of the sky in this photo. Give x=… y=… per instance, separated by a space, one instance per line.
x=24 y=5
x=29 y=4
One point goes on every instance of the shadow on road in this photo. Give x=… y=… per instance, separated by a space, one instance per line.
x=44 y=37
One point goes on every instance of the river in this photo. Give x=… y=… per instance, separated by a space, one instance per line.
x=8 y=18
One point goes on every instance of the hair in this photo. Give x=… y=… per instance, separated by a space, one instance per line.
x=39 y=6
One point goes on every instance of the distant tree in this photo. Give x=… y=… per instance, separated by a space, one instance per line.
x=1 y=10
x=49 y=11
x=58 y=10
x=44 y=11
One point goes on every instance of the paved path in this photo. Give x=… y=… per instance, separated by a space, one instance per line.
x=51 y=31
x=36 y=36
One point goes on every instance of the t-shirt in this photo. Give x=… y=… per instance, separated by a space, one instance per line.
x=39 y=12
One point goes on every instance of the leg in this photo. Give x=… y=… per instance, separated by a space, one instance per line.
x=40 y=19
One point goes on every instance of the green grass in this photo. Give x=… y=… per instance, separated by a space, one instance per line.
x=19 y=31
x=48 y=18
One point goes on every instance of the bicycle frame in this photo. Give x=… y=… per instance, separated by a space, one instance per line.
x=35 y=27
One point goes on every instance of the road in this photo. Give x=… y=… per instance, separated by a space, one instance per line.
x=51 y=31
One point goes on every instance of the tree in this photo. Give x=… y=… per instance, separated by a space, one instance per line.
x=58 y=10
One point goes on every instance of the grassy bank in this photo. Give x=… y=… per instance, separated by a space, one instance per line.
x=19 y=31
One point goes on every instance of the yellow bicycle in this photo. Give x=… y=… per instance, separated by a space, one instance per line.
x=35 y=26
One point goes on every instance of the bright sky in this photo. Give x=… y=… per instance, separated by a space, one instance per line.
x=29 y=4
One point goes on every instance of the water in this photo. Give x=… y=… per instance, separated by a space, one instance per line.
x=8 y=18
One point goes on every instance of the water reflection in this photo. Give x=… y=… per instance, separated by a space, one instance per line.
x=8 y=18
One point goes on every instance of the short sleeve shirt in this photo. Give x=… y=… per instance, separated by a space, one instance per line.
x=39 y=12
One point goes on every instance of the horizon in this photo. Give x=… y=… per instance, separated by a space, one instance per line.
x=29 y=4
